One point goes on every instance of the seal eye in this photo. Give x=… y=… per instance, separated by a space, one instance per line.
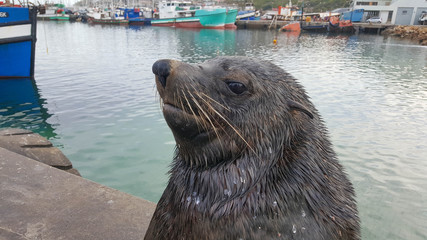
x=237 y=87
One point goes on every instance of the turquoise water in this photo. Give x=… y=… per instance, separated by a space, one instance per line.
x=94 y=97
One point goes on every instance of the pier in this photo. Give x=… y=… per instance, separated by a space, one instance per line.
x=372 y=27
x=272 y=24
x=39 y=201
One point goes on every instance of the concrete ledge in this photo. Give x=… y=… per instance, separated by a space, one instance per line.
x=34 y=146
x=41 y=202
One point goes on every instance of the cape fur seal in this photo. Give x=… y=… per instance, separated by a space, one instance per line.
x=252 y=160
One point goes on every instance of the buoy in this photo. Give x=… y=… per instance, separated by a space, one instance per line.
x=274 y=41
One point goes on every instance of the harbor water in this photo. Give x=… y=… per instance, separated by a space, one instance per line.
x=94 y=97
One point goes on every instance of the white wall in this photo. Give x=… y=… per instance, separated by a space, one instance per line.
x=392 y=7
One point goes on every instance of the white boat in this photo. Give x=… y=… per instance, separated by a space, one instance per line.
x=185 y=15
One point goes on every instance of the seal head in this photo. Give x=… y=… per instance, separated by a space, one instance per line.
x=253 y=159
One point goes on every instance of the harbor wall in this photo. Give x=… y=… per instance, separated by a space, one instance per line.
x=416 y=33
x=39 y=201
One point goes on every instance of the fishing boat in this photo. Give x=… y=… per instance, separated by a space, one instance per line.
x=292 y=27
x=54 y=13
x=139 y=16
x=107 y=16
x=17 y=41
x=185 y=15
x=247 y=15
x=60 y=16
x=230 y=19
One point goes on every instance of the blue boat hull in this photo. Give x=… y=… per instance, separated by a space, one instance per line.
x=140 y=21
x=17 y=42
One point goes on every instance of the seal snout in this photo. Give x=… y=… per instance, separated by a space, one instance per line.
x=161 y=69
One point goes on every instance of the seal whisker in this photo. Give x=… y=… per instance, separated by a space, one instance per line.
x=211 y=109
x=182 y=104
x=235 y=129
x=206 y=115
x=200 y=120
x=213 y=100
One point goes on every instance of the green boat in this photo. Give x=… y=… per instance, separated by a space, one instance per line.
x=60 y=17
x=183 y=15
x=56 y=15
x=230 y=19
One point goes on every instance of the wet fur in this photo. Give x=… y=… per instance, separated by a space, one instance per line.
x=267 y=169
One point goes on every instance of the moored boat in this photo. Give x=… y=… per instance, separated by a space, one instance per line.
x=54 y=13
x=111 y=21
x=17 y=41
x=138 y=16
x=292 y=27
x=184 y=15
x=230 y=19
x=108 y=17
x=247 y=15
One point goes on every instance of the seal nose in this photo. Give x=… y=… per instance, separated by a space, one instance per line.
x=161 y=69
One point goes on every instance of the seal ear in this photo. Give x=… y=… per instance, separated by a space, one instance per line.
x=299 y=107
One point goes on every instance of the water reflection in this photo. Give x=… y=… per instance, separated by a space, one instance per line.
x=196 y=44
x=22 y=107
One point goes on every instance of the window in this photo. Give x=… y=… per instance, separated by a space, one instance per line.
x=367 y=3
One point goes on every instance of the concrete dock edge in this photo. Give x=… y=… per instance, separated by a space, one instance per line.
x=38 y=201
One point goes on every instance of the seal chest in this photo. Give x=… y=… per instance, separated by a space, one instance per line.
x=253 y=159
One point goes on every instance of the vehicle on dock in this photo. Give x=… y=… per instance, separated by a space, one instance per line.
x=186 y=15
x=423 y=18
x=17 y=41
x=374 y=19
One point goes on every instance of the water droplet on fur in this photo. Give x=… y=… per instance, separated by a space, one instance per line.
x=234 y=181
x=188 y=198
x=302 y=229
x=270 y=150
x=227 y=192
x=303 y=213
x=294 y=228
x=259 y=227
x=275 y=203
x=197 y=200
x=194 y=194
